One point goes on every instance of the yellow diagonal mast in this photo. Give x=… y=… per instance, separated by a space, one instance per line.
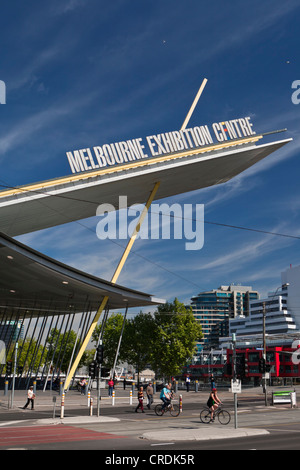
x=113 y=281
x=126 y=253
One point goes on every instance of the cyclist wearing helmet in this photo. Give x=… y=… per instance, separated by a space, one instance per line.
x=213 y=402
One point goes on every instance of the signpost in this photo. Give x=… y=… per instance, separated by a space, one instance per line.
x=234 y=383
x=236 y=386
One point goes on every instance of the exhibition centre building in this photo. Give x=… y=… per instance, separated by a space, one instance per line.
x=38 y=293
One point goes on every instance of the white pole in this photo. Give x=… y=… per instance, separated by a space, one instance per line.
x=62 y=411
x=14 y=376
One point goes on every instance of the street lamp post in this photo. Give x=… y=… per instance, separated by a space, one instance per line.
x=264 y=376
x=264 y=354
x=234 y=378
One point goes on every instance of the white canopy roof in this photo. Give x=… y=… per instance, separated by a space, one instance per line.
x=51 y=203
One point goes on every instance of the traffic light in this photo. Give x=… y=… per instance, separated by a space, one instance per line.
x=105 y=372
x=240 y=366
x=246 y=366
x=229 y=369
x=9 y=368
x=99 y=354
x=262 y=365
x=93 y=370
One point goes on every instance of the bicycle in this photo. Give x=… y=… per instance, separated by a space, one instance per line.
x=172 y=408
x=223 y=416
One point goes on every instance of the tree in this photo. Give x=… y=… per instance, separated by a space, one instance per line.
x=165 y=341
x=30 y=354
x=176 y=335
x=138 y=341
x=110 y=339
x=60 y=348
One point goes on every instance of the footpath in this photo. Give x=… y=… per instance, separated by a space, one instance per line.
x=48 y=409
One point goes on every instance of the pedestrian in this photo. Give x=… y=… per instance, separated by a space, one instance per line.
x=82 y=384
x=149 y=391
x=30 y=398
x=212 y=382
x=141 y=400
x=110 y=387
x=187 y=383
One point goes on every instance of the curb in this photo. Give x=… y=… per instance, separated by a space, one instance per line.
x=78 y=420
x=203 y=435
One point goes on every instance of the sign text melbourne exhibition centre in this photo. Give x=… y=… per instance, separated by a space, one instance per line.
x=156 y=145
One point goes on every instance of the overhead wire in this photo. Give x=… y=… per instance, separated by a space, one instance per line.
x=7 y=186
x=238 y=227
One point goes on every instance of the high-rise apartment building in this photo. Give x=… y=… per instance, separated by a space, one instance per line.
x=10 y=331
x=213 y=309
x=281 y=309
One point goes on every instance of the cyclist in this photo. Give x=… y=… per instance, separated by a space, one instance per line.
x=213 y=402
x=165 y=396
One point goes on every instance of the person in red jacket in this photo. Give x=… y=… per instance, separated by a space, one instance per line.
x=141 y=400
x=110 y=387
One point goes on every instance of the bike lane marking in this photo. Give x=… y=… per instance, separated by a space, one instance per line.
x=48 y=434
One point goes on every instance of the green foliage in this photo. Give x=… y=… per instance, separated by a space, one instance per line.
x=177 y=332
x=60 y=348
x=165 y=341
x=112 y=332
x=139 y=340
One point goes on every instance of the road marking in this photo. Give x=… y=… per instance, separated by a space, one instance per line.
x=164 y=444
x=11 y=423
x=282 y=430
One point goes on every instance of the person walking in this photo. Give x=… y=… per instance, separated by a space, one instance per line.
x=149 y=391
x=30 y=398
x=82 y=384
x=187 y=382
x=141 y=400
x=110 y=387
x=212 y=382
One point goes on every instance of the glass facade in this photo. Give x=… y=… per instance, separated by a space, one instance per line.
x=213 y=310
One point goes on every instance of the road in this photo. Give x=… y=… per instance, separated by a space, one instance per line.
x=23 y=429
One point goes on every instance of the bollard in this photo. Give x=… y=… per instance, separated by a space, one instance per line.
x=6 y=388
x=293 y=400
x=113 y=398
x=196 y=386
x=130 y=397
x=62 y=410
x=54 y=405
x=91 y=407
x=154 y=387
x=60 y=388
x=180 y=403
x=89 y=399
x=34 y=387
x=176 y=386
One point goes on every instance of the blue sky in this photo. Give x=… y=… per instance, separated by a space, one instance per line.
x=81 y=73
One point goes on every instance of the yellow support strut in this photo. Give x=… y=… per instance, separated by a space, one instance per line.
x=113 y=281
x=127 y=251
